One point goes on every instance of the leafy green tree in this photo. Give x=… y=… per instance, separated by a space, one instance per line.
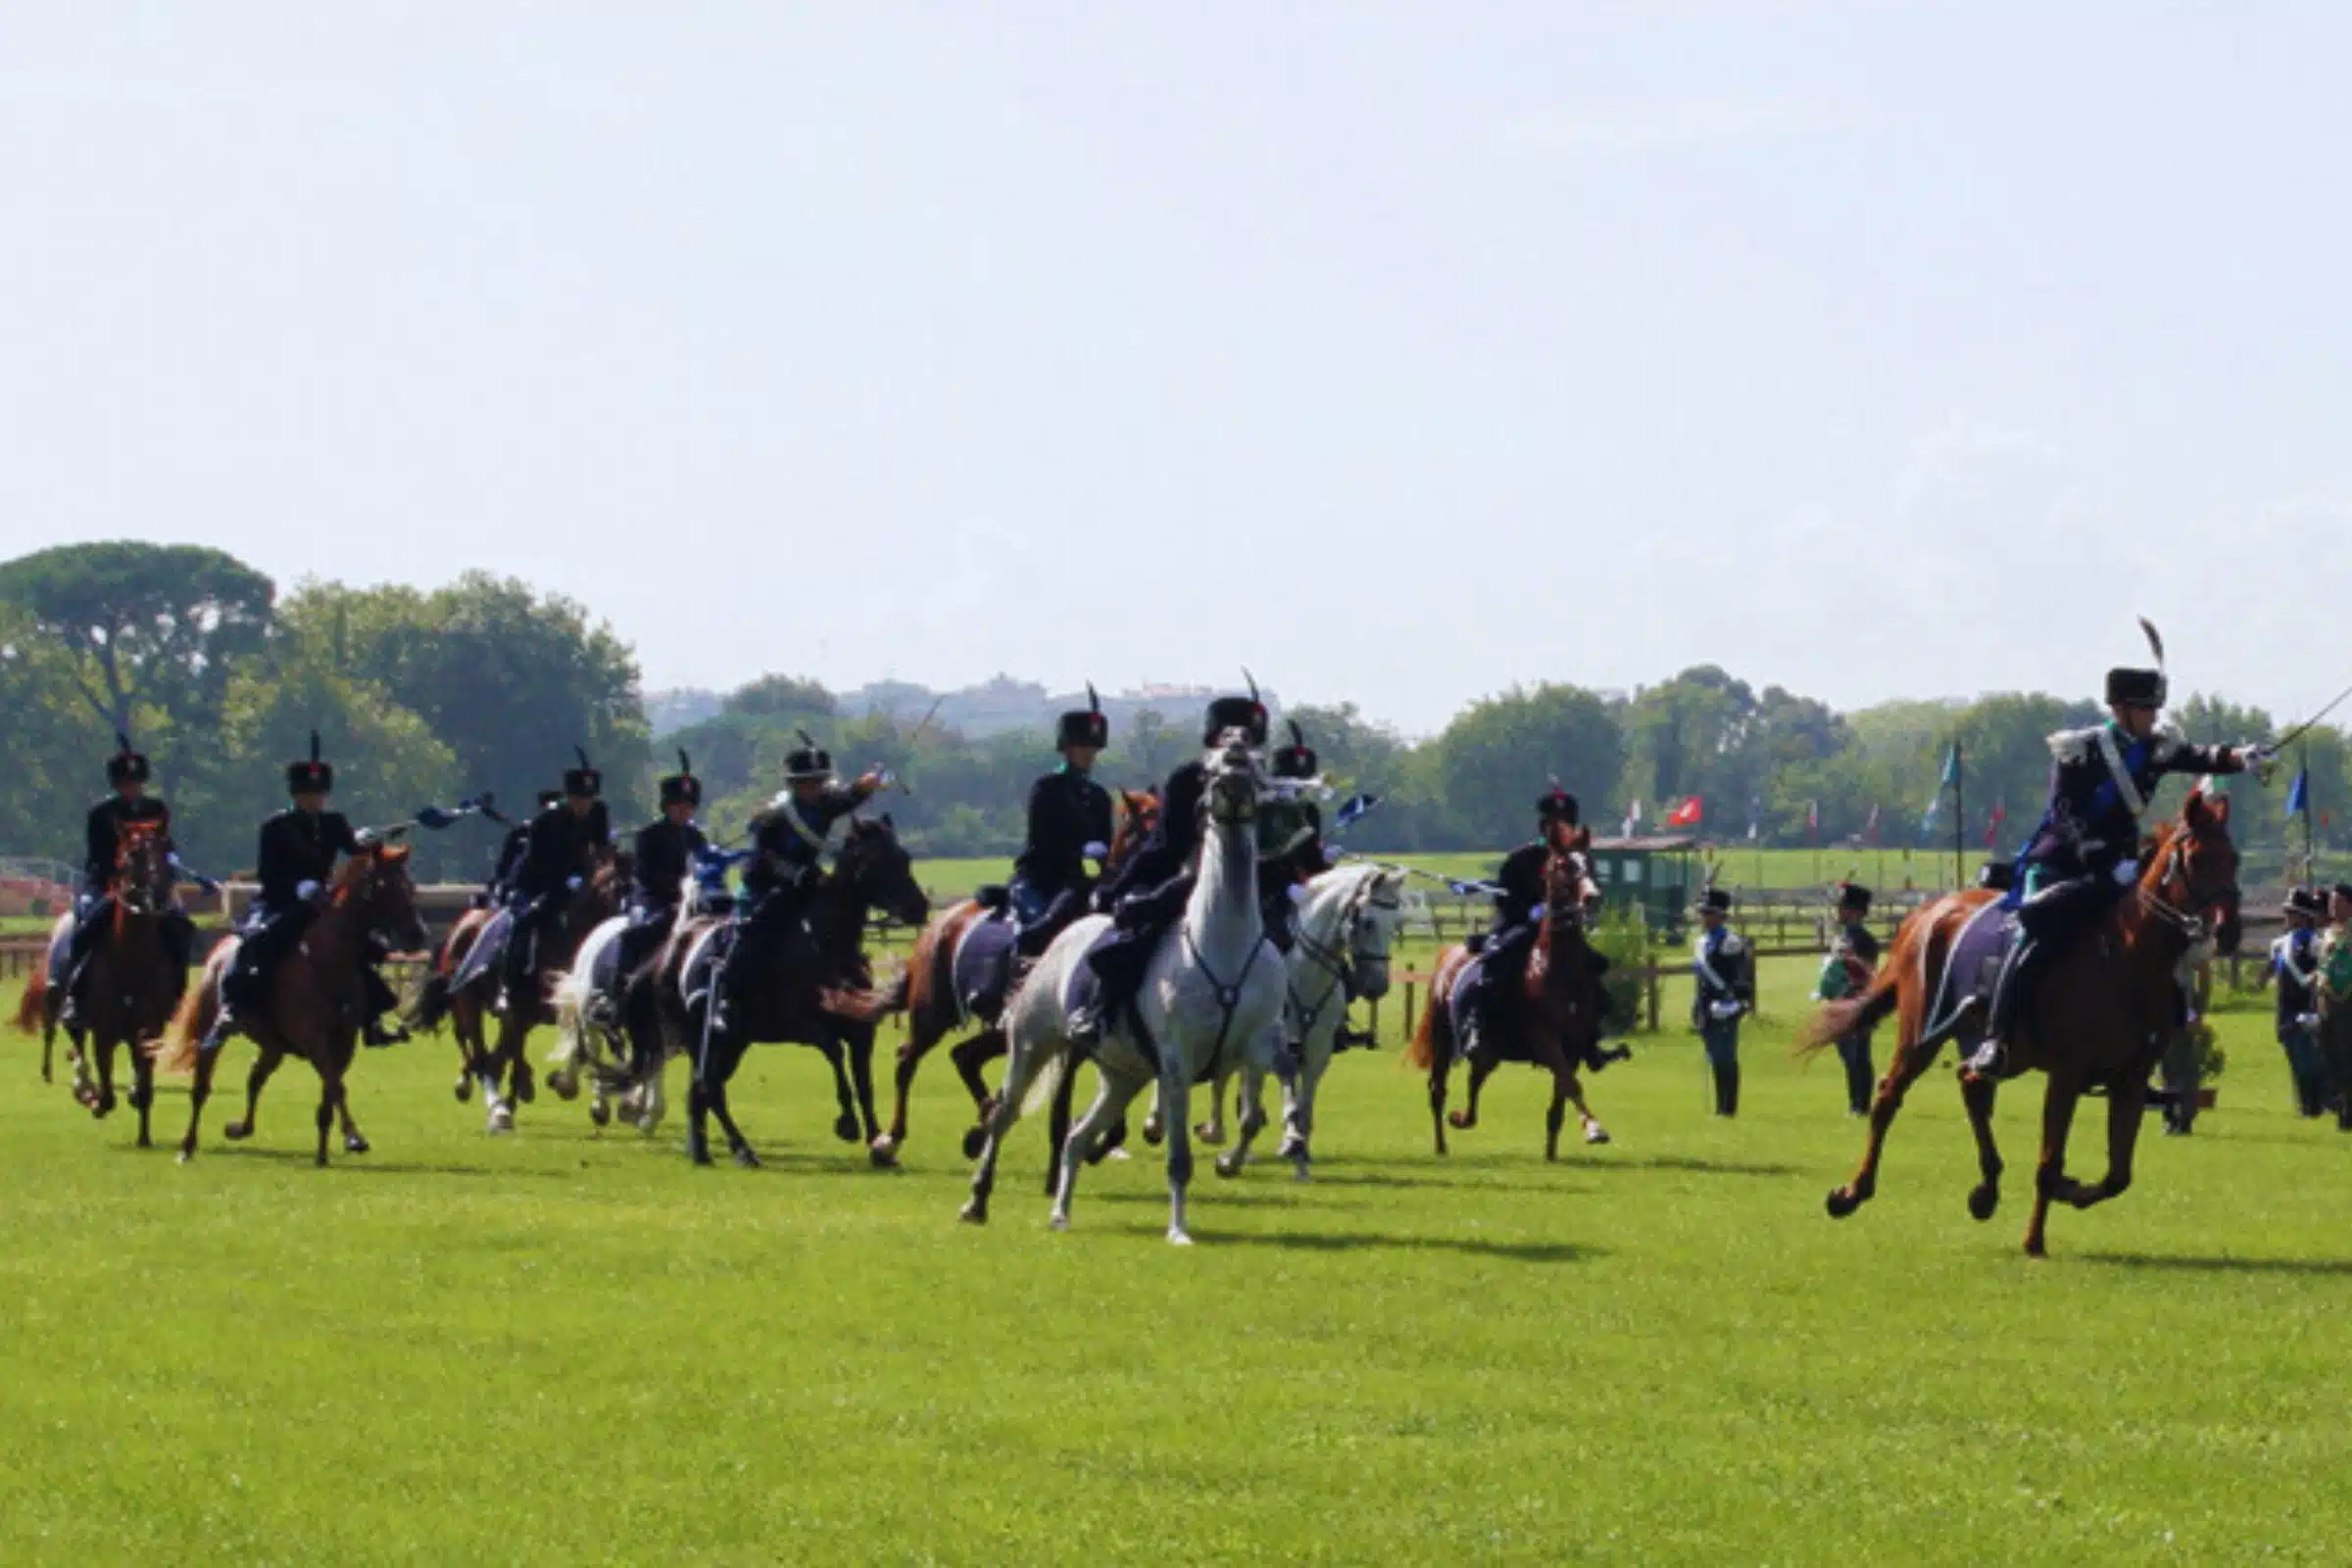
x=1497 y=756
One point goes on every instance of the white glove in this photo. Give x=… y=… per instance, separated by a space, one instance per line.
x=571 y=884
x=1297 y=891
x=2259 y=761
x=2307 y=1020
x=366 y=838
x=1094 y=850
x=884 y=779
x=306 y=891
x=1730 y=1008
x=1534 y=910
x=2127 y=872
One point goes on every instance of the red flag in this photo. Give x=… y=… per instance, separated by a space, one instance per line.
x=1992 y=825
x=1687 y=813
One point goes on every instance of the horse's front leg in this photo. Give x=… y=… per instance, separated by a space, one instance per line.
x=102 y=1047
x=354 y=1140
x=2050 y=1180
x=1910 y=1060
x=1594 y=1131
x=263 y=1065
x=862 y=1079
x=724 y=1062
x=142 y=1092
x=1298 y=1109
x=2126 y=1108
x=1440 y=1068
x=845 y=1100
x=1175 y=1104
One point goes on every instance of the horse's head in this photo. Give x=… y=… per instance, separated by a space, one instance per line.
x=1231 y=797
x=878 y=872
x=142 y=873
x=1570 y=894
x=1374 y=911
x=1137 y=813
x=2194 y=870
x=377 y=884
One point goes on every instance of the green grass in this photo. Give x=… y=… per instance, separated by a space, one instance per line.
x=570 y=1348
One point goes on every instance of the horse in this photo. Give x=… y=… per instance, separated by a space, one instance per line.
x=1212 y=986
x=316 y=1000
x=466 y=1006
x=1346 y=925
x=935 y=1009
x=130 y=986
x=1559 y=1006
x=795 y=1002
x=38 y=1009
x=2097 y=1017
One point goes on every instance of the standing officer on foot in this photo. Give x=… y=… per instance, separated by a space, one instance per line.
x=1852 y=961
x=1726 y=991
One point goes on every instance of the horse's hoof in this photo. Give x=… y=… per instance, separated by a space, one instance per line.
x=746 y=1159
x=600 y=1114
x=353 y=1144
x=1057 y=1222
x=1841 y=1203
x=1177 y=1237
x=1152 y=1134
x=502 y=1119
x=845 y=1128
x=2035 y=1247
x=565 y=1083
x=882 y=1155
x=700 y=1156
x=1298 y=1171
x=463 y=1089
x=1982 y=1201
x=1210 y=1133
x=1227 y=1168
x=974 y=1139
x=973 y=1213
x=1459 y=1123
x=237 y=1131
x=47 y=1077
x=1597 y=1134
x=183 y=1156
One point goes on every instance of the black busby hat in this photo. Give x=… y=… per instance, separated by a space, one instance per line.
x=1716 y=899
x=2307 y=901
x=1296 y=760
x=1556 y=803
x=1853 y=895
x=583 y=781
x=682 y=787
x=2135 y=688
x=807 y=760
x=311 y=776
x=126 y=765
x=1084 y=726
x=1244 y=714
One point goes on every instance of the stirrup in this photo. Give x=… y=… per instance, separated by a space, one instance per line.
x=1989 y=1062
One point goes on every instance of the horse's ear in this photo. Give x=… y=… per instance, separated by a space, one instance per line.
x=889 y=822
x=1583 y=839
x=2204 y=811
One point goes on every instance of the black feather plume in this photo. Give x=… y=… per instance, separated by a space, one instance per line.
x=1252 y=680
x=2155 y=641
x=581 y=752
x=314 y=746
x=685 y=763
x=1094 y=703
x=121 y=742
x=806 y=738
x=1298 y=735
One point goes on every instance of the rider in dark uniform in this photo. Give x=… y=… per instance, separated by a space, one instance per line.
x=127 y=772
x=789 y=840
x=1289 y=841
x=1070 y=824
x=295 y=862
x=1147 y=893
x=1852 y=959
x=557 y=856
x=510 y=856
x=2083 y=857
x=1518 y=920
x=665 y=851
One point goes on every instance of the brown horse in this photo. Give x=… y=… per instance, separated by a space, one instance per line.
x=468 y=1007
x=2097 y=1019
x=316 y=1002
x=1559 y=1006
x=130 y=984
x=934 y=1010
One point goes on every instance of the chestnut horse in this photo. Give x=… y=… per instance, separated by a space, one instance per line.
x=2097 y=1017
x=1559 y=1006
x=934 y=1010
x=469 y=1007
x=132 y=983
x=317 y=1000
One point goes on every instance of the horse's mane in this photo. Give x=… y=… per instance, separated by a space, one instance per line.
x=357 y=868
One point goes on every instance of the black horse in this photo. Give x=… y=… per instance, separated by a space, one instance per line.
x=813 y=989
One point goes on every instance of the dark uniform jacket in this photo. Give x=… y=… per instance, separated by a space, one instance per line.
x=787 y=839
x=510 y=858
x=1068 y=811
x=102 y=831
x=1521 y=880
x=1720 y=962
x=2295 y=970
x=558 y=847
x=296 y=848
x=1168 y=849
x=665 y=853
x=2090 y=826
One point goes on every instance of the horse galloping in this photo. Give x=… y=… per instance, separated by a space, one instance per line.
x=1559 y=1010
x=2098 y=1016
x=316 y=1000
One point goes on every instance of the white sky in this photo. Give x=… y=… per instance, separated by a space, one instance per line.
x=1399 y=351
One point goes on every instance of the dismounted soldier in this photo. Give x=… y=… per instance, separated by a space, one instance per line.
x=294 y=864
x=2335 y=985
x=1070 y=824
x=1853 y=960
x=1147 y=895
x=790 y=838
x=559 y=854
x=509 y=856
x=1518 y=920
x=127 y=772
x=2081 y=858
x=1290 y=840
x=2294 y=969
x=662 y=865
x=1725 y=990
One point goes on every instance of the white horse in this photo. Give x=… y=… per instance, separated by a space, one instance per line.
x=591 y=1044
x=1346 y=923
x=1213 y=988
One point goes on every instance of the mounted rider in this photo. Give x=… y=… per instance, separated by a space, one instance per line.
x=1520 y=896
x=510 y=850
x=1147 y=895
x=294 y=865
x=127 y=772
x=661 y=869
x=560 y=852
x=1070 y=824
x=790 y=838
x=2083 y=857
x=1289 y=839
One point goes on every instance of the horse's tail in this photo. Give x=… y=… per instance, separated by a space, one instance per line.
x=1868 y=1008
x=430 y=1011
x=175 y=1050
x=34 y=1001
x=929 y=1000
x=1052 y=1068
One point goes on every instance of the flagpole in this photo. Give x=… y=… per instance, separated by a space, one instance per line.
x=2311 y=858
x=1959 y=816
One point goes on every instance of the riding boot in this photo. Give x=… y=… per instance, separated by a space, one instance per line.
x=1990 y=1060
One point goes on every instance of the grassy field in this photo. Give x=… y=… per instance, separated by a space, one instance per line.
x=567 y=1347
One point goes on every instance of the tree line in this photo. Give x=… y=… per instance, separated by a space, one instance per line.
x=487 y=684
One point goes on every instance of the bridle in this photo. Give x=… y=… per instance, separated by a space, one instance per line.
x=2183 y=917
x=1339 y=963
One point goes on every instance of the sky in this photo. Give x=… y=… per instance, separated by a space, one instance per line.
x=1402 y=353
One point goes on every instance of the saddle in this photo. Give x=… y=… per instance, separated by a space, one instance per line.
x=982 y=971
x=489 y=947
x=1962 y=1004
